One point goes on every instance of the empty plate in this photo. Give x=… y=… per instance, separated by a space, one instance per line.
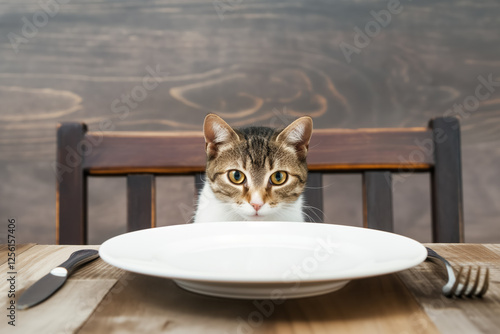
x=262 y=260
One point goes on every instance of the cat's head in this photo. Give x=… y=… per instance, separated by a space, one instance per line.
x=257 y=170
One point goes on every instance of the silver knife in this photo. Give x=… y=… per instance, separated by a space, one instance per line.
x=50 y=283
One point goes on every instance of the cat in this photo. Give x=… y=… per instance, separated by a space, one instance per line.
x=254 y=173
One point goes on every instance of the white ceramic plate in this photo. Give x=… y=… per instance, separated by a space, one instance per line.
x=262 y=260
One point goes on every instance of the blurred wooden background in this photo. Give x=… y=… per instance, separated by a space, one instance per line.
x=252 y=62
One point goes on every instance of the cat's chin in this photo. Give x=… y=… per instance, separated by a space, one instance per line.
x=255 y=218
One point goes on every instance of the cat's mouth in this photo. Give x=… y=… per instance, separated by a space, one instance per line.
x=258 y=214
x=248 y=212
x=256 y=217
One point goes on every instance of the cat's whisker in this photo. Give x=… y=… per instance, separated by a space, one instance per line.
x=322 y=187
x=305 y=206
x=309 y=218
x=229 y=212
x=313 y=146
x=314 y=209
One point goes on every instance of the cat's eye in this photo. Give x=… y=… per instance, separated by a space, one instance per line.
x=236 y=176
x=278 y=178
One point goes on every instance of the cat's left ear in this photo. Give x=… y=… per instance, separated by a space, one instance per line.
x=298 y=134
x=217 y=134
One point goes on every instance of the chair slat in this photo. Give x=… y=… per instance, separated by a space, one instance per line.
x=446 y=182
x=360 y=149
x=183 y=153
x=377 y=200
x=141 y=202
x=314 y=197
x=153 y=152
x=71 y=211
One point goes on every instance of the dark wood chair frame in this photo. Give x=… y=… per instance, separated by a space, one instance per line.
x=378 y=154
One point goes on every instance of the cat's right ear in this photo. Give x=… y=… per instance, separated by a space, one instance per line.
x=298 y=134
x=217 y=134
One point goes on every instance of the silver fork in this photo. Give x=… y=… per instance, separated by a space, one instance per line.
x=453 y=287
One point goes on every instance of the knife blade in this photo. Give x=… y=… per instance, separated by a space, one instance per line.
x=50 y=283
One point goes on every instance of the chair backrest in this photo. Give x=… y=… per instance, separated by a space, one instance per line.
x=378 y=154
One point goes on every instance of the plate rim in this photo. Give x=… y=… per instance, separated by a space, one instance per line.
x=228 y=280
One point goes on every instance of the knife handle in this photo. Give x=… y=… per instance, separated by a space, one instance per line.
x=78 y=258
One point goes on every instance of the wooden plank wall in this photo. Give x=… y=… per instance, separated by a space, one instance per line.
x=162 y=65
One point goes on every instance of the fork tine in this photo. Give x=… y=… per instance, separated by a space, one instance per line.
x=471 y=291
x=455 y=285
x=485 y=283
x=462 y=286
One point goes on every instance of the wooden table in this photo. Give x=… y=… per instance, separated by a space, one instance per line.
x=102 y=299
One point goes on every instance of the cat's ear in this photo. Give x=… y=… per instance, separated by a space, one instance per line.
x=298 y=134
x=217 y=133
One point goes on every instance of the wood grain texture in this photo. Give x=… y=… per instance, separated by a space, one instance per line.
x=119 y=153
x=458 y=315
x=259 y=62
x=369 y=149
x=167 y=308
x=99 y=298
x=72 y=304
x=19 y=249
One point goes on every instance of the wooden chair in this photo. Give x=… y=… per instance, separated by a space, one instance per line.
x=378 y=154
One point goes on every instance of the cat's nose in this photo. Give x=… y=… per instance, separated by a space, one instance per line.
x=256 y=206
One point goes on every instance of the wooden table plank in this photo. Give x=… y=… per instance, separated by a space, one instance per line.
x=458 y=315
x=67 y=309
x=357 y=308
x=38 y=260
x=102 y=299
x=19 y=249
x=372 y=305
